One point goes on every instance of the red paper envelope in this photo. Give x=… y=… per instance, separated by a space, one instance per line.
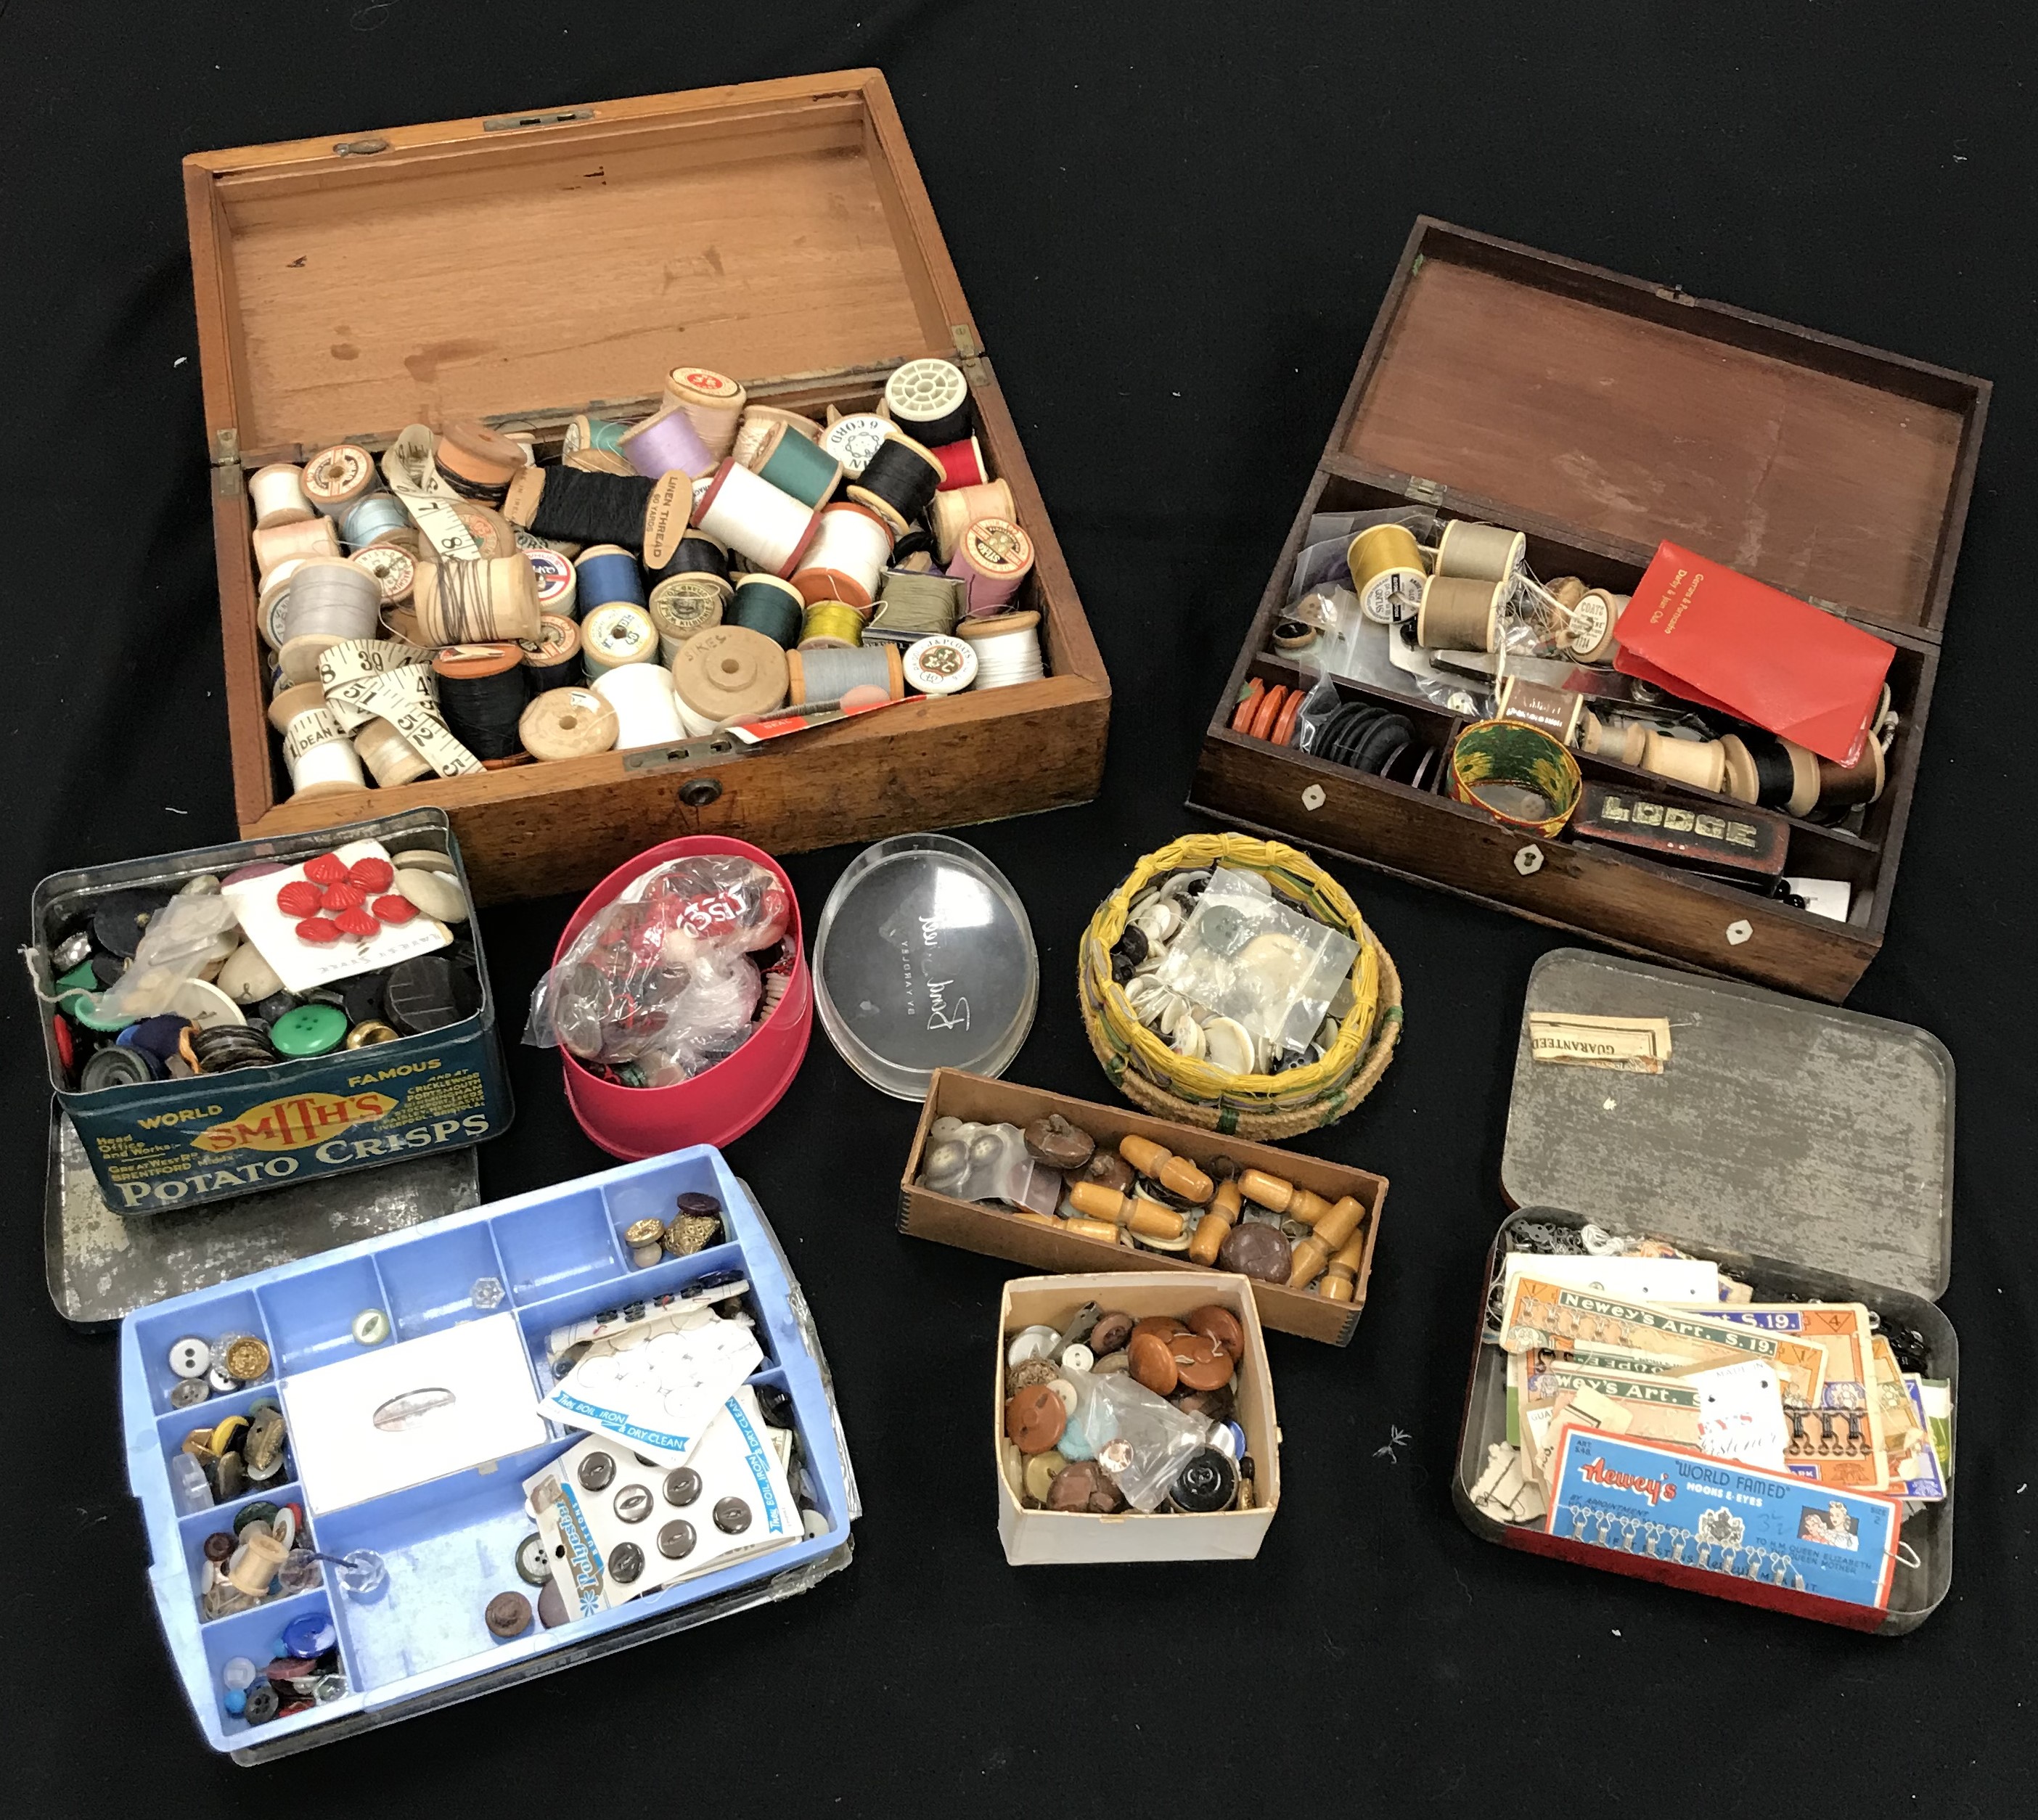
x=1716 y=637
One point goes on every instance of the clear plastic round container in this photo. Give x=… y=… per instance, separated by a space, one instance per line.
x=924 y=958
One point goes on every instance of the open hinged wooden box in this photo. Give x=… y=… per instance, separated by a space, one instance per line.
x=1599 y=415
x=523 y=269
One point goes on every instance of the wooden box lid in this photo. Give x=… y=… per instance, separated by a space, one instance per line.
x=1615 y=414
x=535 y=264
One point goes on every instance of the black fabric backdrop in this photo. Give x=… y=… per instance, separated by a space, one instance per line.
x=1174 y=231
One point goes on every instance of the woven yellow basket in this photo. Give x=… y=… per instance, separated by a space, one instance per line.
x=1155 y=1078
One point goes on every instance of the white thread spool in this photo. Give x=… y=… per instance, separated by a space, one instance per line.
x=1008 y=650
x=320 y=758
x=616 y=636
x=278 y=492
x=276 y=545
x=749 y=514
x=393 y=758
x=846 y=560
x=647 y=711
x=1480 y=552
x=558 y=582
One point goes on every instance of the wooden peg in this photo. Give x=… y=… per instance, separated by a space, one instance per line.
x=1270 y=1191
x=1215 y=1223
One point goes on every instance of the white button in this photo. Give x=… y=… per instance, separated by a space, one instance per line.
x=191 y=1358
x=371 y=1327
x=223 y=1380
x=1029 y=1343
x=1066 y=1391
x=1077 y=1357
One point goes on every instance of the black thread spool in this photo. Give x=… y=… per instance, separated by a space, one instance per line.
x=902 y=476
x=552 y=660
x=575 y=507
x=698 y=554
x=483 y=690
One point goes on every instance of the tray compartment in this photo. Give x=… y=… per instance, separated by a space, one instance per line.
x=208 y=1318
x=557 y=1245
x=431 y=1284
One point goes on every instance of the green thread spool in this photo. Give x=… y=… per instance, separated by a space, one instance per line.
x=1517 y=774
x=794 y=465
x=764 y=603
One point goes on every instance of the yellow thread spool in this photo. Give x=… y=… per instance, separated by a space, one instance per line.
x=1387 y=572
x=831 y=624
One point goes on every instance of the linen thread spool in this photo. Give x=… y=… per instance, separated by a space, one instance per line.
x=853 y=440
x=616 y=635
x=1480 y=552
x=371 y=518
x=748 y=513
x=558 y=582
x=796 y=466
x=319 y=757
x=684 y=607
x=551 y=660
x=666 y=443
x=300 y=537
x=846 y=561
x=277 y=493
x=1458 y=613
x=491 y=601
x=849 y=675
x=954 y=513
x=911 y=607
x=482 y=692
x=731 y=673
x=476 y=462
x=831 y=624
x=391 y=758
x=568 y=724
x=961 y=464
x=899 y=482
x=929 y=400
x=758 y=425
x=334 y=478
x=1622 y=742
x=1701 y=763
x=606 y=574
x=695 y=554
x=713 y=402
x=991 y=558
x=647 y=711
x=764 y=603
x=570 y=506
x=1007 y=648
x=1591 y=624
x=1387 y=573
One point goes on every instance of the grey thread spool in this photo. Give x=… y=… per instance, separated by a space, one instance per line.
x=332 y=600
x=1480 y=552
x=1458 y=613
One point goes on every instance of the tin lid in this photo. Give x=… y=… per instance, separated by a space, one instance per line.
x=924 y=959
x=1781 y=1127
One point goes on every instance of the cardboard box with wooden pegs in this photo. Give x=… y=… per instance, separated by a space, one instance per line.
x=1603 y=416
x=774 y=236
x=1340 y=1205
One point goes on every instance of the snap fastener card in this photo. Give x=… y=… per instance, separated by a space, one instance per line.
x=657 y=1384
x=1694 y=1280
x=402 y=1415
x=301 y=964
x=1840 y=1440
x=1641 y=1497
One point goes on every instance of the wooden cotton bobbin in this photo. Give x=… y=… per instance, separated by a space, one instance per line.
x=255 y=1562
x=1843 y=787
x=300 y=537
x=568 y=724
x=1458 y=613
x=1699 y=763
x=954 y=512
x=730 y=673
x=389 y=757
x=1589 y=630
x=1557 y=711
x=1479 y=553
x=490 y=601
x=1623 y=743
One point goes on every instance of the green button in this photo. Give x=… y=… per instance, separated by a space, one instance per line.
x=309 y=1030
x=80 y=977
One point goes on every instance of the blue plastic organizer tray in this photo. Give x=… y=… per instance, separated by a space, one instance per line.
x=420 y=1640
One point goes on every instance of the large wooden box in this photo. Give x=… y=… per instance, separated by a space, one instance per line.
x=525 y=268
x=1600 y=415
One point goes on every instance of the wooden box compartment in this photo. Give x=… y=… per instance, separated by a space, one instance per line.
x=977 y=1227
x=526 y=268
x=1052 y=1539
x=1599 y=416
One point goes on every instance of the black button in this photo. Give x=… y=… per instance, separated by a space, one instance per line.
x=106 y=968
x=682 y=1486
x=676 y=1540
x=1209 y=1482
x=274 y=1006
x=597 y=1472
x=114 y=1066
x=626 y=1563
x=263 y=1700
x=552 y=1605
x=732 y=1516
x=119 y=921
x=774 y=1406
x=699 y=1204
x=362 y=996
x=428 y=992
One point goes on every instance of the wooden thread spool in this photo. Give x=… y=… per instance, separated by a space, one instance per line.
x=1558 y=712
x=1589 y=630
x=1270 y=1191
x=260 y=1556
x=1699 y=763
x=300 y=537
x=277 y=494
x=1387 y=572
x=1567 y=591
x=1218 y=1219
x=1176 y=1174
x=391 y=758
x=335 y=478
x=489 y=601
x=1147 y=1218
x=1480 y=553
x=1458 y=613
x=713 y=400
x=1333 y=1228
x=759 y=424
x=730 y=673
x=1623 y=743
x=954 y=512
x=1341 y=1274
x=568 y=724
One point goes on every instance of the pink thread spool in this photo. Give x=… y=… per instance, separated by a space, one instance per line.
x=991 y=558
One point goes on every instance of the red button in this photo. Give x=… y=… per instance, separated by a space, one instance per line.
x=317 y=930
x=326 y=869
x=394 y=908
x=372 y=874
x=66 y=1050
x=299 y=898
x=344 y=896
x=356 y=922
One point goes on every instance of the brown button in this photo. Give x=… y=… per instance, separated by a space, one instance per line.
x=509 y=1614
x=1084 y=1485
x=219 y=1547
x=1165 y=1326
x=1200 y=1362
x=1222 y=1325
x=1254 y=1249
x=1152 y=1362
x=1035 y=1419
x=1034 y=1371
x=1110 y=1334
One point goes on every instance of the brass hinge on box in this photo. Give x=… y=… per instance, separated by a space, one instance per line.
x=671 y=757
x=1429 y=492
x=516 y=123
x=226 y=462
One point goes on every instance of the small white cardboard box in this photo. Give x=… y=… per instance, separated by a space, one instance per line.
x=1045 y=1537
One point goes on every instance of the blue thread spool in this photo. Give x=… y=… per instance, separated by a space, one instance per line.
x=375 y=515
x=608 y=573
